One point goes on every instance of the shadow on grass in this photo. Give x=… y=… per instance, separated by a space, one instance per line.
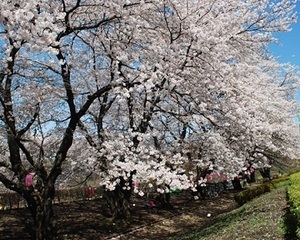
x=290 y=225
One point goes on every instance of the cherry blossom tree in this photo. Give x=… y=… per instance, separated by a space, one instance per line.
x=210 y=89
x=146 y=83
x=42 y=94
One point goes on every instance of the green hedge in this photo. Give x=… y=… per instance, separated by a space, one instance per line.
x=251 y=192
x=294 y=198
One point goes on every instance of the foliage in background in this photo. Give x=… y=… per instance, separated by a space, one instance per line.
x=11 y=200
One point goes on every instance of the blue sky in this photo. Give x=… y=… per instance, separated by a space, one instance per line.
x=289 y=48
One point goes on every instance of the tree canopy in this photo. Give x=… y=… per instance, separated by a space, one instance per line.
x=146 y=86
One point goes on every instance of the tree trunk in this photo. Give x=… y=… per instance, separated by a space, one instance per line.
x=44 y=225
x=118 y=203
x=201 y=174
x=119 y=198
x=164 y=201
x=41 y=209
x=236 y=184
x=251 y=178
x=265 y=172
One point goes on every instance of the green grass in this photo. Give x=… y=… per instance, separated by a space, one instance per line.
x=282 y=184
x=258 y=219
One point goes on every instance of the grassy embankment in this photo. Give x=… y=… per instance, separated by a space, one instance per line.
x=261 y=218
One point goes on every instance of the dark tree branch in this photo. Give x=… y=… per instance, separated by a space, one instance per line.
x=25 y=129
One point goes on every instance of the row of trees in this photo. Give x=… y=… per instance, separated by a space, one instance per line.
x=140 y=91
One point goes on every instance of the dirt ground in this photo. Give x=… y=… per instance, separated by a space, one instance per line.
x=88 y=220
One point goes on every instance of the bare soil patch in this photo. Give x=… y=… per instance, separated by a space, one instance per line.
x=88 y=220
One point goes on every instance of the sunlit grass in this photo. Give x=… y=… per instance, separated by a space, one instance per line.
x=258 y=219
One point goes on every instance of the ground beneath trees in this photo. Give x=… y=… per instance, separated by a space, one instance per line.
x=262 y=218
x=87 y=220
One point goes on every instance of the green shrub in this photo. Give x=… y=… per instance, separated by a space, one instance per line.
x=294 y=198
x=250 y=193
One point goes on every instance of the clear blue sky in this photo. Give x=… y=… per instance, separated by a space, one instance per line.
x=289 y=50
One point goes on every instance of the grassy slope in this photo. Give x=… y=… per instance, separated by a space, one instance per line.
x=259 y=219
